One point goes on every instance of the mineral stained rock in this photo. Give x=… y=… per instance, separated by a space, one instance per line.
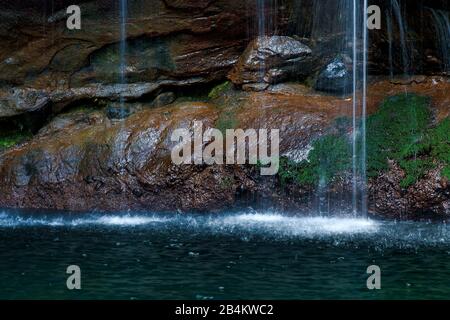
x=269 y=60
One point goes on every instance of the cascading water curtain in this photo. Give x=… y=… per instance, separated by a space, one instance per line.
x=441 y=21
x=365 y=53
x=395 y=14
x=123 y=46
x=267 y=17
x=344 y=24
x=359 y=102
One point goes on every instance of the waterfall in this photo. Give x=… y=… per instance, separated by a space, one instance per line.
x=442 y=26
x=322 y=196
x=390 y=39
x=347 y=20
x=261 y=25
x=364 y=114
x=359 y=102
x=260 y=8
x=266 y=13
x=396 y=11
x=123 y=47
x=354 y=106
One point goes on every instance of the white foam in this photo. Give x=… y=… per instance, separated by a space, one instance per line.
x=252 y=223
x=11 y=220
x=128 y=220
x=300 y=225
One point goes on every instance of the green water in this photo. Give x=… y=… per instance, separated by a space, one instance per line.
x=235 y=256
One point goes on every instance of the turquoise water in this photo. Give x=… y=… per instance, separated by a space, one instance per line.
x=242 y=255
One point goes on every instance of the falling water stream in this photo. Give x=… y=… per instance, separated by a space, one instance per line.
x=123 y=48
x=402 y=28
x=365 y=46
x=390 y=40
x=359 y=101
x=442 y=25
x=355 y=107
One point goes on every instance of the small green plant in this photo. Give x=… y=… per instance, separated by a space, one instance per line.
x=218 y=90
x=227 y=120
x=329 y=158
x=12 y=139
x=226 y=183
x=400 y=131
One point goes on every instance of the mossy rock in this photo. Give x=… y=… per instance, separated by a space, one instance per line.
x=328 y=160
x=11 y=139
x=219 y=90
x=400 y=131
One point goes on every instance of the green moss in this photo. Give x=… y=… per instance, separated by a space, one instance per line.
x=328 y=160
x=439 y=141
x=446 y=172
x=219 y=90
x=9 y=140
x=227 y=120
x=399 y=131
x=393 y=131
x=226 y=183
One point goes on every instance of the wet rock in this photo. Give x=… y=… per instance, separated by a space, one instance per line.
x=427 y=196
x=73 y=121
x=22 y=100
x=127 y=165
x=118 y=111
x=176 y=42
x=336 y=77
x=257 y=87
x=164 y=99
x=269 y=60
x=86 y=162
x=17 y=101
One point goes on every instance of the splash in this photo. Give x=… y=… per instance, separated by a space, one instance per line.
x=299 y=226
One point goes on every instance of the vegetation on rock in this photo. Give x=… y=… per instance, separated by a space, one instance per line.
x=8 y=140
x=399 y=131
x=219 y=90
x=328 y=160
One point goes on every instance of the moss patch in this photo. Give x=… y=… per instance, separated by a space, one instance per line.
x=227 y=120
x=219 y=90
x=438 y=140
x=8 y=140
x=329 y=159
x=400 y=131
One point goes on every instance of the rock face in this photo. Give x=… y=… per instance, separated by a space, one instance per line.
x=84 y=161
x=88 y=162
x=270 y=59
x=119 y=157
x=21 y=100
x=430 y=194
x=321 y=21
x=336 y=77
x=170 y=43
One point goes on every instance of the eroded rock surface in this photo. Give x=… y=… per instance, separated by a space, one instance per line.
x=84 y=161
x=170 y=43
x=269 y=60
x=336 y=77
